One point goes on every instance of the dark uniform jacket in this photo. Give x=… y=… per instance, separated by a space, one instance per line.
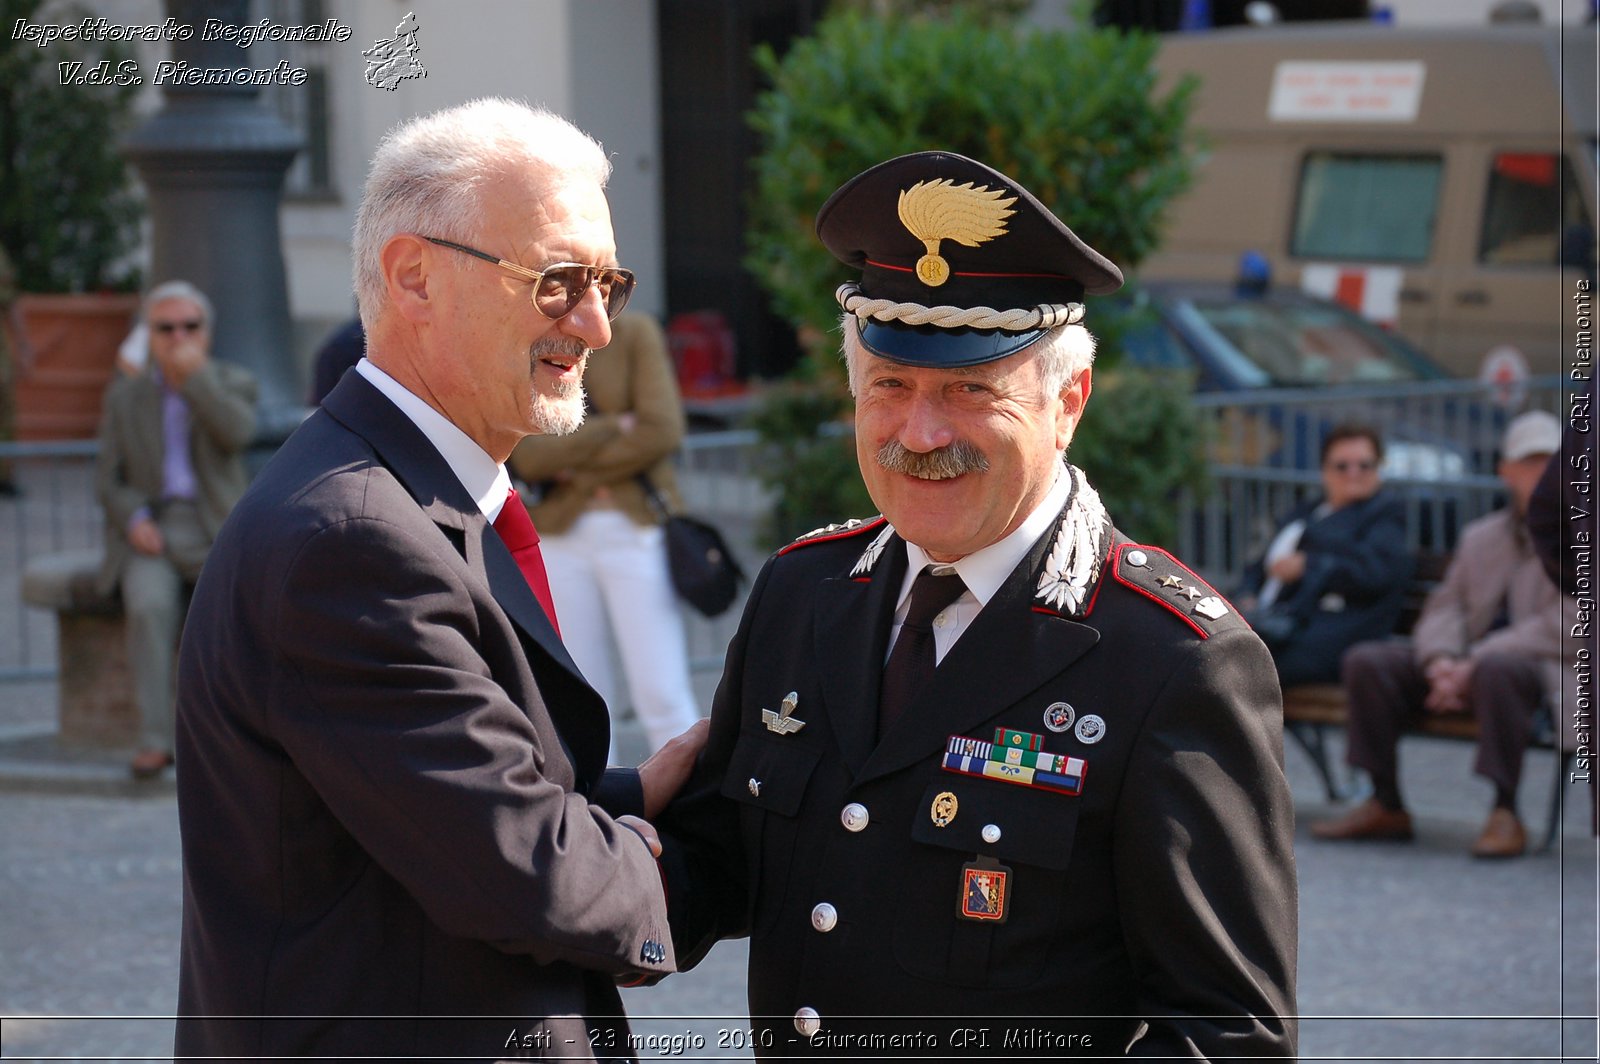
x=391 y=777
x=1161 y=894
x=1357 y=565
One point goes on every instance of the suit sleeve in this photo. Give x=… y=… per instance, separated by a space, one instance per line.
x=385 y=702
x=120 y=498
x=222 y=404
x=1204 y=860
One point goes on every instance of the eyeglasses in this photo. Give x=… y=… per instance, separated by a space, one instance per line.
x=558 y=288
x=1365 y=466
x=167 y=328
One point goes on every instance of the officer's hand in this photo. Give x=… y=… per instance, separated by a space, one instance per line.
x=664 y=772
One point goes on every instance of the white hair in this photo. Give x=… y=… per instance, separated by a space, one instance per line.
x=428 y=175
x=178 y=290
x=1063 y=353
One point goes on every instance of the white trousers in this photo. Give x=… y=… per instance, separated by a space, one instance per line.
x=609 y=578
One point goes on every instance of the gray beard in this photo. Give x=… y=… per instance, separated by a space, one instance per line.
x=561 y=413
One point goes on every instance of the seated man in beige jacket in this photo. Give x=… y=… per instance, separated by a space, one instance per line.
x=1488 y=642
x=601 y=539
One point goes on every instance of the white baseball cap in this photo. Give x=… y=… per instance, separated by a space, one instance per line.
x=1535 y=432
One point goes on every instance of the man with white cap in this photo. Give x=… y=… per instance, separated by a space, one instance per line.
x=984 y=777
x=1488 y=642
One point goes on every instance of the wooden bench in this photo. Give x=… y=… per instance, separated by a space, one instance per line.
x=1309 y=710
x=95 y=705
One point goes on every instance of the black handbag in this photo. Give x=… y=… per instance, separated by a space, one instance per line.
x=704 y=571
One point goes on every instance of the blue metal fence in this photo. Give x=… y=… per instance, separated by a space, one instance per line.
x=1443 y=436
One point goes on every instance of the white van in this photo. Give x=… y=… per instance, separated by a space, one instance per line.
x=1434 y=179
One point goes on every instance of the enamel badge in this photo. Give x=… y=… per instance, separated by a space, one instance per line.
x=985 y=891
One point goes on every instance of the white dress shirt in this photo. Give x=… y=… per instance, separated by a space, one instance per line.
x=485 y=479
x=983 y=571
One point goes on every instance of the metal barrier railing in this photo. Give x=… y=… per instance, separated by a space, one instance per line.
x=1445 y=432
x=54 y=509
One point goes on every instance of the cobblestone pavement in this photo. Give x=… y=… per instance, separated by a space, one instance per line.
x=1408 y=952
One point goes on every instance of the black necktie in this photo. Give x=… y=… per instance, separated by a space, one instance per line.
x=912 y=660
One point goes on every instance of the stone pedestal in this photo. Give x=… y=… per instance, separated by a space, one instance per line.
x=95 y=706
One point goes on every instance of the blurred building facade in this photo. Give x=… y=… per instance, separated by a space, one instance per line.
x=664 y=84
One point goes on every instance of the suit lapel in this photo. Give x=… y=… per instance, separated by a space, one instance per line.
x=1014 y=646
x=851 y=636
x=431 y=482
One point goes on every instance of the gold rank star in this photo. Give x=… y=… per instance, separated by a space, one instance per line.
x=1171 y=581
x=1190 y=593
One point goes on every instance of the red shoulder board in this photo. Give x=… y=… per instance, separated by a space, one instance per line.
x=1161 y=578
x=853 y=527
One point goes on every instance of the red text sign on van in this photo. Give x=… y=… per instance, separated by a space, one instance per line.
x=1346 y=92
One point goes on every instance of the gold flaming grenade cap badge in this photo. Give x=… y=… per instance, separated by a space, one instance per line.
x=938 y=210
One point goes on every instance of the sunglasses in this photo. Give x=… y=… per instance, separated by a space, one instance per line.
x=167 y=328
x=558 y=288
x=1353 y=467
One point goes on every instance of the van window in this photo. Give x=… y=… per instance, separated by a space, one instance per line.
x=1528 y=210
x=1369 y=207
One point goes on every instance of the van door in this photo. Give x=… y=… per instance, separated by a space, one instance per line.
x=1501 y=278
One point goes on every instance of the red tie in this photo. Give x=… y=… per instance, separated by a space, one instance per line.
x=522 y=540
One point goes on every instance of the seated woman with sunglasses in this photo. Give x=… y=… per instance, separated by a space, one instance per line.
x=1335 y=572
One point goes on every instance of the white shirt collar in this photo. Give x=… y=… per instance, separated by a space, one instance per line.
x=983 y=571
x=485 y=479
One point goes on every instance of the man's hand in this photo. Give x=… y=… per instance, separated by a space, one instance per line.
x=144 y=536
x=646 y=831
x=187 y=358
x=1289 y=568
x=664 y=772
x=1448 y=684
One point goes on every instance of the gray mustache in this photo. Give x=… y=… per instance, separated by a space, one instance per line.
x=558 y=345
x=946 y=462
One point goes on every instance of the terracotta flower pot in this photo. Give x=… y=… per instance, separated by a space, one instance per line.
x=74 y=340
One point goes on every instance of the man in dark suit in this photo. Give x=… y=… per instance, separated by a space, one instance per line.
x=984 y=776
x=170 y=467
x=395 y=808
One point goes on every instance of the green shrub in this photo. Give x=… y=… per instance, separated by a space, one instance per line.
x=1073 y=116
x=1070 y=115
x=69 y=212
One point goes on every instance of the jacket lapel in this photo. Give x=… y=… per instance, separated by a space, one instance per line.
x=428 y=477
x=851 y=637
x=149 y=436
x=1014 y=646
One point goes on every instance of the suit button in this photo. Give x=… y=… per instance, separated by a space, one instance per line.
x=824 y=917
x=807 y=1021
x=854 y=816
x=991 y=833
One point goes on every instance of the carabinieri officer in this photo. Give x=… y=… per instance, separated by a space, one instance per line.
x=984 y=775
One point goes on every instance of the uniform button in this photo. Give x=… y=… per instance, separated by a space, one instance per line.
x=991 y=833
x=824 y=917
x=854 y=816
x=807 y=1021
x=1137 y=557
